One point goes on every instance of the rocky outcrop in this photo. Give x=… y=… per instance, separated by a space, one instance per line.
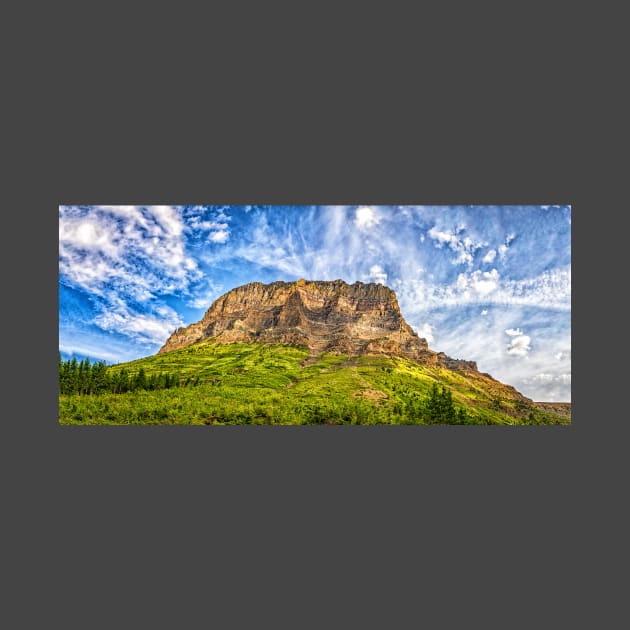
x=561 y=408
x=326 y=316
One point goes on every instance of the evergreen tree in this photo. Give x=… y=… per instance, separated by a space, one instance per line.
x=438 y=406
x=99 y=377
x=141 y=380
x=73 y=376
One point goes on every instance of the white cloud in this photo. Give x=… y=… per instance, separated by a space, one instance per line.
x=485 y=282
x=142 y=327
x=484 y=312
x=208 y=225
x=206 y=298
x=465 y=248
x=481 y=283
x=490 y=256
x=519 y=345
x=551 y=289
x=214 y=229
x=377 y=274
x=265 y=246
x=483 y=339
x=126 y=255
x=169 y=218
x=365 y=218
x=88 y=350
x=426 y=331
x=101 y=245
x=219 y=237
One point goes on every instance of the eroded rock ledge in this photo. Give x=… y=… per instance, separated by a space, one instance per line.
x=326 y=316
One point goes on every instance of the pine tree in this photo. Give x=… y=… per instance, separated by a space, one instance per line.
x=447 y=408
x=432 y=405
x=73 y=376
x=438 y=406
x=141 y=380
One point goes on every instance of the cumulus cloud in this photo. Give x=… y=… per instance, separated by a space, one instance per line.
x=519 y=344
x=196 y=222
x=480 y=283
x=490 y=256
x=219 y=237
x=485 y=282
x=465 y=247
x=377 y=274
x=365 y=218
x=210 y=223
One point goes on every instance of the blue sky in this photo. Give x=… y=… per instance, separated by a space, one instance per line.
x=485 y=283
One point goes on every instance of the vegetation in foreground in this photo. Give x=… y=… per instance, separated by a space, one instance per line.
x=208 y=384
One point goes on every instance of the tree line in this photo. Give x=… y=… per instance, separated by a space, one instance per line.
x=84 y=377
x=435 y=408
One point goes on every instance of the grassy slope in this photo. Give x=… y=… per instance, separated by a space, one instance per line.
x=265 y=384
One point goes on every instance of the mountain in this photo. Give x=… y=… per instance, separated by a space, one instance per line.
x=305 y=352
x=325 y=316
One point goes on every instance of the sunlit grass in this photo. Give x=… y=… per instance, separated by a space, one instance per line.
x=274 y=384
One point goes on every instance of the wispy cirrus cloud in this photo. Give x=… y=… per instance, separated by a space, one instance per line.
x=551 y=290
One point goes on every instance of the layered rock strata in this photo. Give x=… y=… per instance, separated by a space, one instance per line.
x=325 y=316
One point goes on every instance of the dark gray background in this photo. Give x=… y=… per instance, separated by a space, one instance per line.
x=308 y=527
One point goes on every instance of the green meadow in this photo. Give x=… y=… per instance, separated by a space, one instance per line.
x=212 y=384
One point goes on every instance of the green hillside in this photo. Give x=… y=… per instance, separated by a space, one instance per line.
x=273 y=384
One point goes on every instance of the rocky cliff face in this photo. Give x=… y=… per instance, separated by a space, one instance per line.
x=326 y=316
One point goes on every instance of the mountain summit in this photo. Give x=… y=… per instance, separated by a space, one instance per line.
x=325 y=316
